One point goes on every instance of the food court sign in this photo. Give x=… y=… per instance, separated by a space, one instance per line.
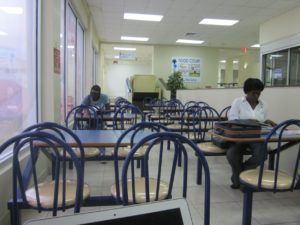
x=189 y=67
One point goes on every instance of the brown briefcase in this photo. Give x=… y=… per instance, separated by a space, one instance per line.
x=238 y=128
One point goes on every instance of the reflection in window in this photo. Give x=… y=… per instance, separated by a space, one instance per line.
x=295 y=67
x=17 y=67
x=276 y=68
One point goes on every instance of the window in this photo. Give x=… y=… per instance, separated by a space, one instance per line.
x=95 y=65
x=18 y=66
x=282 y=68
x=295 y=67
x=74 y=60
x=276 y=68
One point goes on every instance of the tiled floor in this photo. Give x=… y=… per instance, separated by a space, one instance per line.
x=226 y=203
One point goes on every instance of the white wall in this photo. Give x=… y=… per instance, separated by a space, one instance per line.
x=115 y=75
x=280 y=101
x=280 y=27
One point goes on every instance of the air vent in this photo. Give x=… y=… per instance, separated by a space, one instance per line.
x=190 y=34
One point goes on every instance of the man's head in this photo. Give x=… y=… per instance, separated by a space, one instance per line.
x=252 y=88
x=95 y=92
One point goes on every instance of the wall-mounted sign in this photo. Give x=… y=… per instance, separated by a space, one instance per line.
x=189 y=67
x=127 y=55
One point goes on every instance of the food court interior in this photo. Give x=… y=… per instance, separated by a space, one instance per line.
x=52 y=52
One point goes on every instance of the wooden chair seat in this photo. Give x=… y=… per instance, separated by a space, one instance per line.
x=46 y=190
x=123 y=152
x=284 y=181
x=176 y=126
x=140 y=190
x=209 y=147
x=88 y=152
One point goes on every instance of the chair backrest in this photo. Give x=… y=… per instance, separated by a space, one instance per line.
x=134 y=133
x=161 y=164
x=83 y=117
x=189 y=103
x=30 y=141
x=189 y=118
x=224 y=112
x=127 y=115
x=202 y=103
x=60 y=132
x=120 y=101
x=282 y=130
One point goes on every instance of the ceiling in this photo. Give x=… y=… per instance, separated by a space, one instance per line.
x=181 y=20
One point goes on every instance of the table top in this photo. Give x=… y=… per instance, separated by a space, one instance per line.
x=102 y=138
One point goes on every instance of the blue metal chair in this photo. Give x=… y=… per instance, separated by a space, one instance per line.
x=134 y=134
x=84 y=117
x=273 y=180
x=60 y=132
x=161 y=170
x=126 y=116
x=55 y=194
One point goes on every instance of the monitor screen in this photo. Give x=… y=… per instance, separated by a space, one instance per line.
x=171 y=216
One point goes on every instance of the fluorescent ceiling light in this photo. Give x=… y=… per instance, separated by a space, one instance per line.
x=255 y=46
x=12 y=10
x=235 y=61
x=2 y=33
x=187 y=41
x=124 y=49
x=144 y=17
x=219 y=22
x=276 y=56
x=222 y=61
x=125 y=38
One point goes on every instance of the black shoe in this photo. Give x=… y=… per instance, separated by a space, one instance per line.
x=235 y=186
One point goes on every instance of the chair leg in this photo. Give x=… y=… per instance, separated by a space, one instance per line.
x=70 y=165
x=199 y=172
x=247 y=207
x=14 y=214
x=271 y=161
x=179 y=158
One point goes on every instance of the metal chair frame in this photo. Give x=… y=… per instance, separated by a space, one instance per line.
x=21 y=178
x=181 y=145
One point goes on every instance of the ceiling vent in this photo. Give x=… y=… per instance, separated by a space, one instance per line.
x=190 y=34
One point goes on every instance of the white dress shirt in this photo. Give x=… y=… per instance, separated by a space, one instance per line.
x=241 y=109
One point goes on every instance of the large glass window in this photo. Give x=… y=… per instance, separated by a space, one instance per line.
x=74 y=59
x=95 y=65
x=18 y=73
x=295 y=67
x=70 y=58
x=282 y=68
x=276 y=68
x=79 y=63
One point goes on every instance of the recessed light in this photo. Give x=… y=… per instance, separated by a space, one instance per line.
x=124 y=49
x=218 y=22
x=12 y=10
x=187 y=41
x=144 y=17
x=2 y=33
x=126 y=38
x=255 y=46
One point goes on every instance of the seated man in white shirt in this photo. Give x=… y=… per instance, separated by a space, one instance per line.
x=247 y=107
